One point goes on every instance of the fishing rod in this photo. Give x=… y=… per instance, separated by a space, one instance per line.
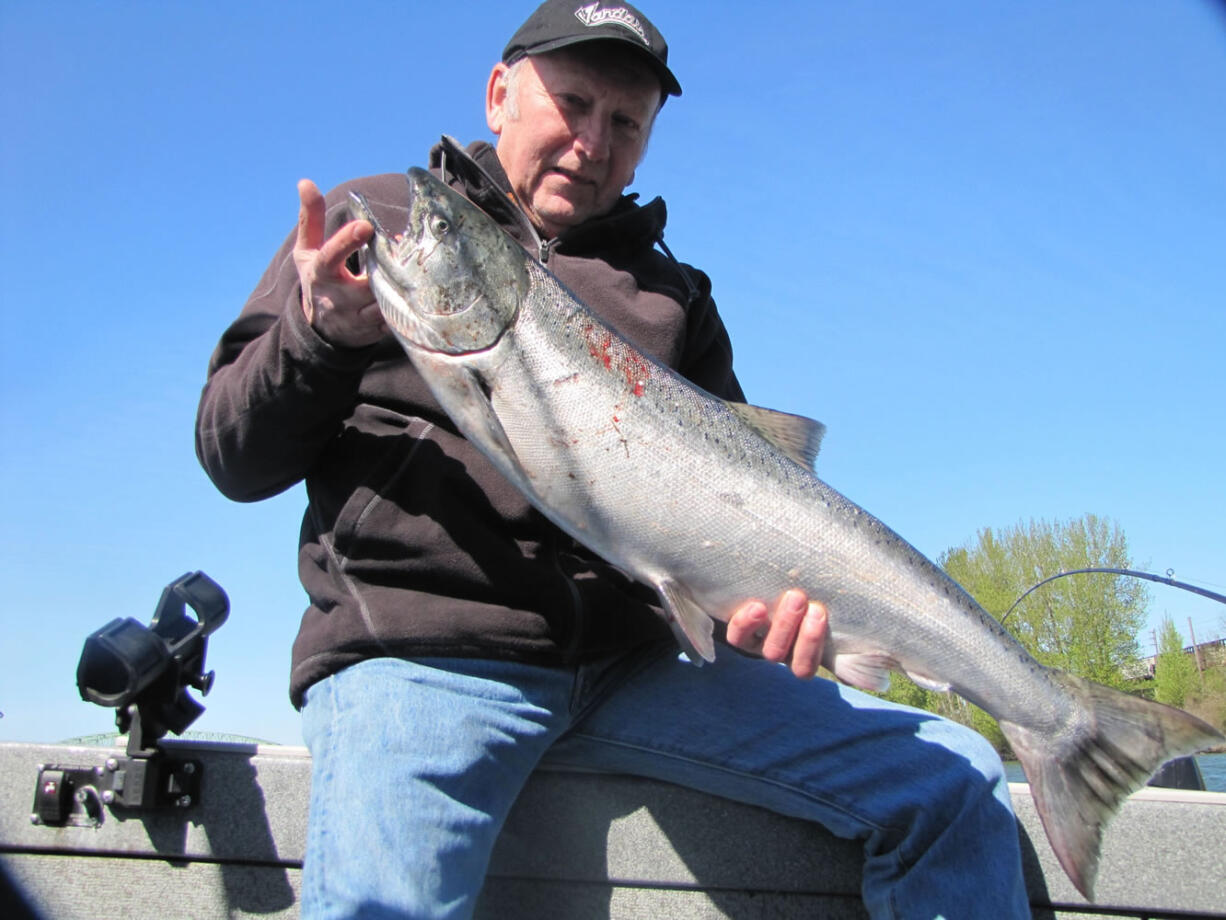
x=1161 y=579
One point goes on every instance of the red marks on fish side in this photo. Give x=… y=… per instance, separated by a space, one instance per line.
x=637 y=371
x=599 y=341
x=621 y=438
x=617 y=356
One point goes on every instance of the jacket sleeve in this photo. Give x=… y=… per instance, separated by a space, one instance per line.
x=707 y=360
x=276 y=393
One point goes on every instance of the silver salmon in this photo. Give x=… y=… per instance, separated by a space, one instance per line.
x=713 y=503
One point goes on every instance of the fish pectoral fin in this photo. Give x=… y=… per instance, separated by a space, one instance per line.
x=798 y=437
x=465 y=397
x=693 y=626
x=864 y=670
x=935 y=684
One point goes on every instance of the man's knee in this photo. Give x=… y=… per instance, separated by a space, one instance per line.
x=970 y=775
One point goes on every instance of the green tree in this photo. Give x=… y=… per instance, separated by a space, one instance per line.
x=1084 y=624
x=1174 y=670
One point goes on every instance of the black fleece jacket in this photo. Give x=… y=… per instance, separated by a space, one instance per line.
x=412 y=544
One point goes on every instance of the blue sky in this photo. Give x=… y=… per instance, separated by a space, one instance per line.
x=982 y=241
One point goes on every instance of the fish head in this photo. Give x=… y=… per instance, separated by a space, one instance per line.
x=453 y=281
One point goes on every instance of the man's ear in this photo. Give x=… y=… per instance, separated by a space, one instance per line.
x=496 y=98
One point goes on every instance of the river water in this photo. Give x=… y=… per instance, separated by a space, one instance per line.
x=1212 y=767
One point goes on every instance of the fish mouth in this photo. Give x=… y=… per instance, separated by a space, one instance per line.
x=444 y=331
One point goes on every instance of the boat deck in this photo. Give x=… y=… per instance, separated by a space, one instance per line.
x=577 y=846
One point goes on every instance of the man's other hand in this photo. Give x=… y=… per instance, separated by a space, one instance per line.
x=796 y=634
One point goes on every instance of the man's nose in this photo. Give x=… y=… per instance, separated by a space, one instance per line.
x=593 y=139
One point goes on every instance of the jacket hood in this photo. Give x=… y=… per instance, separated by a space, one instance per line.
x=477 y=172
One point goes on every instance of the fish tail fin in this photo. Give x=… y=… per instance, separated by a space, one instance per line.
x=1080 y=776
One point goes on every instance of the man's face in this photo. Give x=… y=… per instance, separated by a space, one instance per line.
x=571 y=131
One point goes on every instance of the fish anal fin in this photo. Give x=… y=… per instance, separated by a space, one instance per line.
x=1081 y=772
x=928 y=682
x=798 y=437
x=864 y=670
x=693 y=627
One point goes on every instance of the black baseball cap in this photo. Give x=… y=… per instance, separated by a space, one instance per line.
x=560 y=23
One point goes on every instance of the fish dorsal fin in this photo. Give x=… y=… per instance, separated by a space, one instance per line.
x=693 y=627
x=798 y=437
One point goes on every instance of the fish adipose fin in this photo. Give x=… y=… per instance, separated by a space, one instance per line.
x=693 y=627
x=1079 y=776
x=798 y=437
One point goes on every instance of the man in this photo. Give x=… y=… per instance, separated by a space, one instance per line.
x=454 y=637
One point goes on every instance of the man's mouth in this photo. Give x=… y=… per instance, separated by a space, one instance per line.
x=577 y=178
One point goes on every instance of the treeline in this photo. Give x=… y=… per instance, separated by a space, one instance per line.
x=1179 y=682
x=1084 y=624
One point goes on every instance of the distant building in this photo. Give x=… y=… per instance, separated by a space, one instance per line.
x=1212 y=655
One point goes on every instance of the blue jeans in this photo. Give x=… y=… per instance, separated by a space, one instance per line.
x=417 y=762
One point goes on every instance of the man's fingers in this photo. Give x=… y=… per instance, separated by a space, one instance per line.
x=311 y=215
x=748 y=626
x=337 y=303
x=796 y=632
x=346 y=241
x=789 y=613
x=327 y=256
x=810 y=641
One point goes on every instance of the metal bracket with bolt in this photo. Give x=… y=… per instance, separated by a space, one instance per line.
x=144 y=672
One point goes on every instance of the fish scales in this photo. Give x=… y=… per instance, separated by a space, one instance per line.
x=713 y=503
x=748 y=514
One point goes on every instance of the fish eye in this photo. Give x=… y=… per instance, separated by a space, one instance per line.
x=439 y=226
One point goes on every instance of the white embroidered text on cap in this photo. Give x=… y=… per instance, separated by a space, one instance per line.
x=591 y=15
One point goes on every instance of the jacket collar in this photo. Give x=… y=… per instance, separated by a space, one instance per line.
x=478 y=174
